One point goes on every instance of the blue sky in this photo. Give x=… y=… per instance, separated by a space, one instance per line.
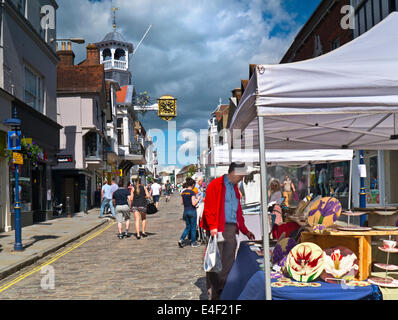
x=197 y=50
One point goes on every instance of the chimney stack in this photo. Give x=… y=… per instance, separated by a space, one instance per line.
x=237 y=93
x=93 y=57
x=66 y=56
x=252 y=69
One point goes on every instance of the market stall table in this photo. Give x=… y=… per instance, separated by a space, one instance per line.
x=246 y=282
x=358 y=241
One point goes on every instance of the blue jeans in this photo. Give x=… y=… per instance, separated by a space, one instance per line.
x=106 y=202
x=190 y=222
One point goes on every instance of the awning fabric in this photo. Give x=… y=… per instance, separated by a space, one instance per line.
x=347 y=98
x=223 y=155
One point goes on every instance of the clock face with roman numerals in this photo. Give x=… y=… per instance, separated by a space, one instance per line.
x=167 y=107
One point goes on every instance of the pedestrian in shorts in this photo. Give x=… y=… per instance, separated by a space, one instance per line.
x=122 y=202
x=139 y=194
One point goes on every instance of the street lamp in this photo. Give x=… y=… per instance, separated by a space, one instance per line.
x=14 y=144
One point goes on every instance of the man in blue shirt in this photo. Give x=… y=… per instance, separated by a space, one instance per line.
x=106 y=199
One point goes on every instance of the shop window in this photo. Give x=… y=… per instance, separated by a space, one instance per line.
x=24 y=186
x=372 y=181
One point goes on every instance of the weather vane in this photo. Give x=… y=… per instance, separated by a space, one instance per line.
x=114 y=9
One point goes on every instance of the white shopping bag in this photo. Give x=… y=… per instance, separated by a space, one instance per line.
x=212 y=261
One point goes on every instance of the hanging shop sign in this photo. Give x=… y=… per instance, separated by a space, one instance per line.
x=17 y=158
x=118 y=172
x=167 y=108
x=14 y=140
x=65 y=159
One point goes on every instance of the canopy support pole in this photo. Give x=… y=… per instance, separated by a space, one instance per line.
x=350 y=188
x=308 y=180
x=264 y=211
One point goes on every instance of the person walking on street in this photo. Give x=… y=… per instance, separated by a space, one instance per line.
x=106 y=199
x=199 y=196
x=189 y=201
x=168 y=191
x=139 y=195
x=223 y=213
x=288 y=189
x=156 y=189
x=114 y=185
x=122 y=202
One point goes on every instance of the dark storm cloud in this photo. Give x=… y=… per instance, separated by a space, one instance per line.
x=197 y=50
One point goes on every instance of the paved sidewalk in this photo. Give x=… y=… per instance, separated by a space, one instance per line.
x=42 y=239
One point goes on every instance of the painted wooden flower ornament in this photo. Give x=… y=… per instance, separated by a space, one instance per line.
x=340 y=263
x=305 y=262
x=324 y=211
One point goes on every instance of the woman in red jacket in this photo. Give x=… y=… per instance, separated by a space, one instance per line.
x=223 y=213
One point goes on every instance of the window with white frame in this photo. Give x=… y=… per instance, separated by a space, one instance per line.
x=120 y=132
x=33 y=89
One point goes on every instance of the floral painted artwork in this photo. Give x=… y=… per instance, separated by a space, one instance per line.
x=340 y=263
x=324 y=211
x=305 y=262
x=282 y=249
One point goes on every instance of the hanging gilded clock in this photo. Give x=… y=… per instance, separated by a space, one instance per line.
x=167 y=108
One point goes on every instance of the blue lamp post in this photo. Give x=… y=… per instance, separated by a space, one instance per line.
x=14 y=144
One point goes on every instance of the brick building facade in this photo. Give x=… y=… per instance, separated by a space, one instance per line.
x=323 y=33
x=324 y=28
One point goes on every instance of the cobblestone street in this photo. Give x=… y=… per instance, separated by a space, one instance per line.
x=105 y=267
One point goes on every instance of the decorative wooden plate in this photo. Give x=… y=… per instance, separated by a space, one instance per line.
x=353 y=228
x=353 y=213
x=340 y=263
x=324 y=211
x=305 y=262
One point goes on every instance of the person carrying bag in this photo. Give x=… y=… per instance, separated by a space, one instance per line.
x=212 y=260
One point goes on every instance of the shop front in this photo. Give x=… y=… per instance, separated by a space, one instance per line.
x=35 y=179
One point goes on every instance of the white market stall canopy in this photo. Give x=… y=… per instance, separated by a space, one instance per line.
x=223 y=155
x=347 y=98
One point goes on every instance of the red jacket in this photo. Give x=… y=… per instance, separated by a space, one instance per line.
x=214 y=210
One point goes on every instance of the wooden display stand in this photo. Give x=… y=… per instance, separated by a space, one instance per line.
x=359 y=243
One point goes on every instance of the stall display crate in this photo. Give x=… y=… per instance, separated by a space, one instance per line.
x=359 y=243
